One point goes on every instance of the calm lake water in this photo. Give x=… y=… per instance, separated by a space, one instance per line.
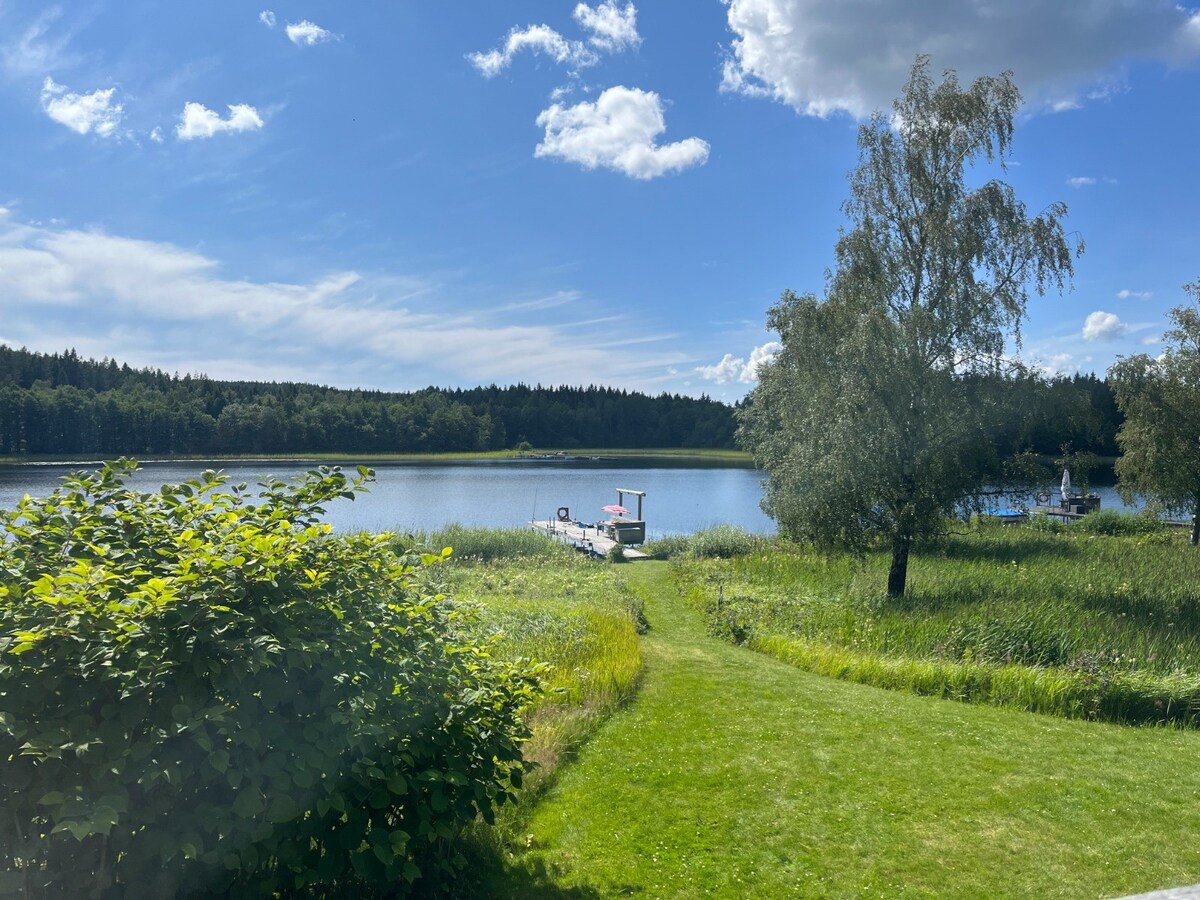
x=680 y=497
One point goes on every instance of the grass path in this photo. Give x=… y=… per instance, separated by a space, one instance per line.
x=736 y=775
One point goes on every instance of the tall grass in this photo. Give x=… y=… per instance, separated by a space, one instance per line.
x=718 y=542
x=1073 y=623
x=487 y=544
x=545 y=602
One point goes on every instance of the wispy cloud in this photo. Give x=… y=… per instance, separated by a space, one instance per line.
x=308 y=34
x=267 y=18
x=352 y=328
x=1134 y=295
x=198 y=121
x=95 y=113
x=619 y=131
x=1081 y=181
x=38 y=48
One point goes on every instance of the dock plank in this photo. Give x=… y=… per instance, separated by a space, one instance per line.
x=594 y=540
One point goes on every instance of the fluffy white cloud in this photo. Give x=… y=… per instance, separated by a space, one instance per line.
x=308 y=34
x=154 y=303
x=83 y=113
x=157 y=135
x=536 y=39
x=1081 y=181
x=1103 y=326
x=613 y=27
x=267 y=18
x=1134 y=295
x=734 y=368
x=853 y=56
x=198 y=121
x=618 y=132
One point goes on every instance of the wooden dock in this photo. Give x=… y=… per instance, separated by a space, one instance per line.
x=591 y=540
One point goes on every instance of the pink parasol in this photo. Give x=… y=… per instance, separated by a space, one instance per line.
x=616 y=509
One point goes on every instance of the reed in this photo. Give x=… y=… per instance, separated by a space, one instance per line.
x=1077 y=624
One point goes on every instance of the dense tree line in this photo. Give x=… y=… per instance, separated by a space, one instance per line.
x=61 y=404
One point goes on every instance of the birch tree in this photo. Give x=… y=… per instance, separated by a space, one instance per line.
x=868 y=422
x=1160 y=438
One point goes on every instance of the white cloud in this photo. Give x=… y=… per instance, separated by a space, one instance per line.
x=537 y=39
x=308 y=33
x=724 y=372
x=758 y=357
x=36 y=51
x=157 y=135
x=1134 y=295
x=267 y=18
x=854 y=55
x=1103 y=326
x=198 y=121
x=1081 y=181
x=82 y=113
x=613 y=28
x=617 y=132
x=1151 y=339
x=1058 y=364
x=154 y=303
x=733 y=368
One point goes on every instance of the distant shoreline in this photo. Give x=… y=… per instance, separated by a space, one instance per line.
x=736 y=457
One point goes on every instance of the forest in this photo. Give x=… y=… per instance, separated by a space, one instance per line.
x=54 y=404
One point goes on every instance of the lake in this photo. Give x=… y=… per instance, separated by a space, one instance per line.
x=681 y=496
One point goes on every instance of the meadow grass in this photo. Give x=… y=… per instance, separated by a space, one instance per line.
x=543 y=601
x=735 y=775
x=1075 y=623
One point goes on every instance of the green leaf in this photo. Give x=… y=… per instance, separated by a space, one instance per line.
x=219 y=760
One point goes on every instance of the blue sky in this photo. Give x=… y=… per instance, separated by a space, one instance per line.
x=392 y=195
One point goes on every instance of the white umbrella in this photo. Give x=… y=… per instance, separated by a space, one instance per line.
x=1066 y=485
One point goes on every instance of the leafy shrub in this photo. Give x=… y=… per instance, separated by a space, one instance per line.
x=206 y=694
x=1110 y=522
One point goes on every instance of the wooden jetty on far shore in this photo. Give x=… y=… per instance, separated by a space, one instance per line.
x=593 y=540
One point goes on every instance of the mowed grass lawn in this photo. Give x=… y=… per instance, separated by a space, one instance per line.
x=733 y=774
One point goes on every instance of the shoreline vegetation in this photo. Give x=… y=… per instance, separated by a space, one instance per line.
x=1097 y=620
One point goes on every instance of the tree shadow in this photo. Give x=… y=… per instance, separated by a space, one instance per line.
x=489 y=874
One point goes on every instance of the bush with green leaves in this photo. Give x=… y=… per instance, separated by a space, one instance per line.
x=208 y=692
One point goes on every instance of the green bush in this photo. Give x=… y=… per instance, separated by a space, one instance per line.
x=210 y=693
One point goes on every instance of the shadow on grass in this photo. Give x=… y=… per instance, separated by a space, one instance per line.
x=1022 y=548
x=489 y=874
